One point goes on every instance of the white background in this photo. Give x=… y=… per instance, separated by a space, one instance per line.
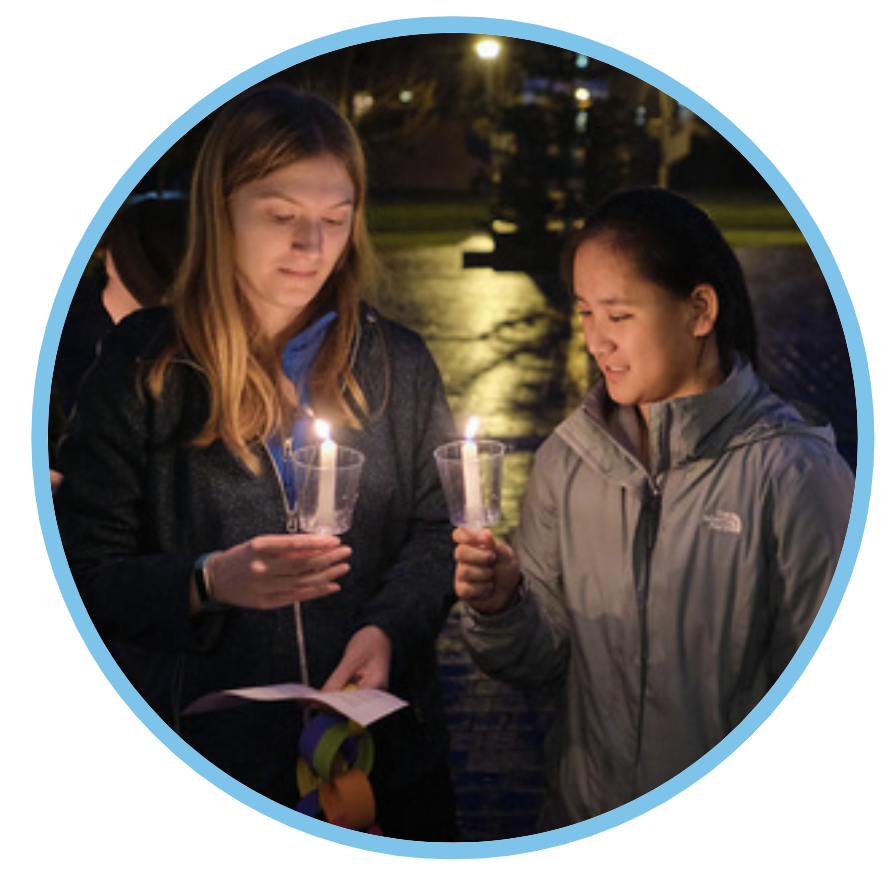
x=87 y=86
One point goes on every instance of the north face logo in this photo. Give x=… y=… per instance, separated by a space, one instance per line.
x=727 y=522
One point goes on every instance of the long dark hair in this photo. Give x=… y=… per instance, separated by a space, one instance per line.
x=675 y=245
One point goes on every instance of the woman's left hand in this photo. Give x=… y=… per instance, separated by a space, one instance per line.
x=365 y=662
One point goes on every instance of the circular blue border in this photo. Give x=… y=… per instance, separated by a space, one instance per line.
x=496 y=27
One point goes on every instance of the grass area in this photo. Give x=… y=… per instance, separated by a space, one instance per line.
x=396 y=240
x=426 y=222
x=764 y=237
x=421 y=222
x=748 y=214
x=754 y=224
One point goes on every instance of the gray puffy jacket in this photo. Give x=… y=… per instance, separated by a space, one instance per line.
x=661 y=606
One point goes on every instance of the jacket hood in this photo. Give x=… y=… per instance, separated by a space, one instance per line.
x=738 y=412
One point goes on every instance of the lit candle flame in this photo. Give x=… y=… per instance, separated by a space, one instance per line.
x=473 y=512
x=326 y=485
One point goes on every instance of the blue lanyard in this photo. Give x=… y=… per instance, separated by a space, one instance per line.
x=298 y=356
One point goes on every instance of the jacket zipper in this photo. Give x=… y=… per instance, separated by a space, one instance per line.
x=653 y=503
x=292 y=526
x=652 y=513
x=292 y=515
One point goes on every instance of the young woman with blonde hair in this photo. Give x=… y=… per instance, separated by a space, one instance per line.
x=175 y=512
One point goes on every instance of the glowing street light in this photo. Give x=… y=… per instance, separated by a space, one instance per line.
x=487 y=50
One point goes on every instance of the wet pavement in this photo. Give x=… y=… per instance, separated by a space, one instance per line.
x=504 y=343
x=511 y=352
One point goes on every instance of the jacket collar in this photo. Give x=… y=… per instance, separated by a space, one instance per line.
x=738 y=411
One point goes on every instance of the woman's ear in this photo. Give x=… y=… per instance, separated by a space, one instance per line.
x=704 y=304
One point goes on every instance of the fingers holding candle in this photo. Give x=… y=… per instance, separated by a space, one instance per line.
x=487 y=573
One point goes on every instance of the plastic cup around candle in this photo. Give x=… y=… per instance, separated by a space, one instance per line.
x=460 y=472
x=332 y=514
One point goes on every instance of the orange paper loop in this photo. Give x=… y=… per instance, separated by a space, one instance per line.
x=348 y=800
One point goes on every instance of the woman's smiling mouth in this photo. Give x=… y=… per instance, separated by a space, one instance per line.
x=613 y=371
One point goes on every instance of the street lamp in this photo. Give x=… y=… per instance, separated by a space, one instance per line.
x=488 y=50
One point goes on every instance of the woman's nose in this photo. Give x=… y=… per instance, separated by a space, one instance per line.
x=307 y=235
x=598 y=342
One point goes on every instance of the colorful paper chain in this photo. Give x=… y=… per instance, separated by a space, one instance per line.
x=332 y=773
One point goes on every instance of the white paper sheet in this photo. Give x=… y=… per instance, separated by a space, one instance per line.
x=364 y=706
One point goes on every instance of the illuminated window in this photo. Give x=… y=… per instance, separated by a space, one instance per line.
x=362 y=102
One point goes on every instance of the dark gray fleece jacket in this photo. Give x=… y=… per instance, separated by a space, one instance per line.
x=140 y=503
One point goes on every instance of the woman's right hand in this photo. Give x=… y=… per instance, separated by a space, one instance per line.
x=277 y=570
x=487 y=574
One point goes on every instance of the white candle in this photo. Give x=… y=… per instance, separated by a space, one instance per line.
x=473 y=512
x=326 y=485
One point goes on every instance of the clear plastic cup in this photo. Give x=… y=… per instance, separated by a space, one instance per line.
x=472 y=472
x=326 y=495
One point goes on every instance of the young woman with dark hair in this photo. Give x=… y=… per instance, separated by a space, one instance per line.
x=680 y=529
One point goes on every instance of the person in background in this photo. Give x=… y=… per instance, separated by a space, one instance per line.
x=137 y=257
x=176 y=511
x=680 y=529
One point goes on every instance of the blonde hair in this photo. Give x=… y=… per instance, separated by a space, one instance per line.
x=254 y=135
